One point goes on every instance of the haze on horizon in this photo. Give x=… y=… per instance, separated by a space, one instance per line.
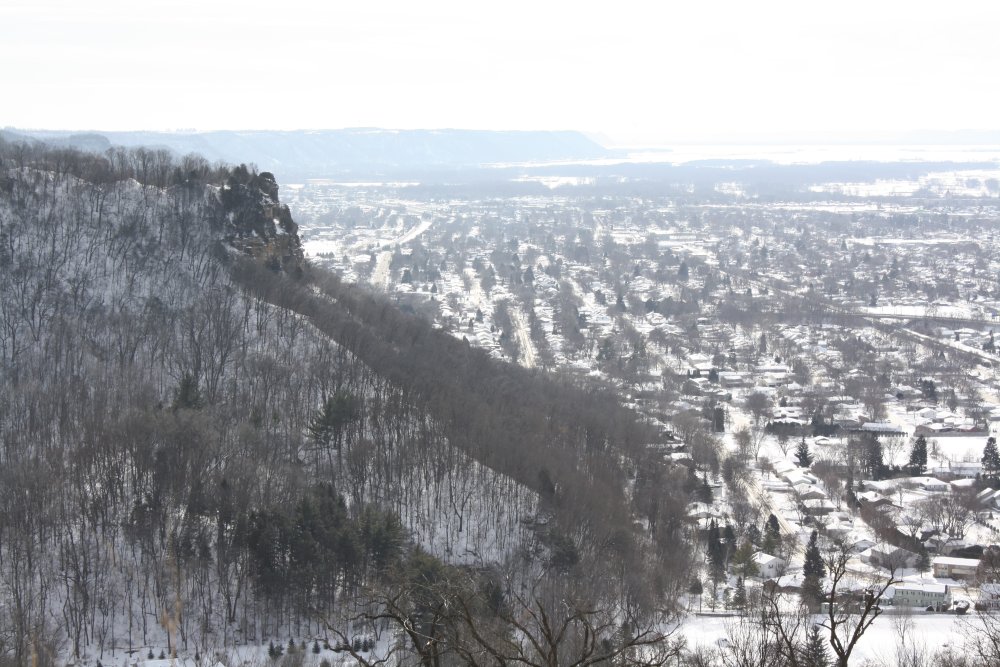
x=628 y=72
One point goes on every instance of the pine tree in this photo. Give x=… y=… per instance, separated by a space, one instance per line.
x=873 y=458
x=813 y=566
x=187 y=396
x=743 y=561
x=918 y=455
x=772 y=535
x=697 y=589
x=814 y=653
x=316 y=646
x=740 y=596
x=705 y=491
x=811 y=593
x=813 y=570
x=716 y=555
x=991 y=460
x=802 y=454
x=729 y=539
x=714 y=547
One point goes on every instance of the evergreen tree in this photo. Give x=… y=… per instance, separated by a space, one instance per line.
x=682 y=272
x=918 y=455
x=719 y=417
x=813 y=566
x=991 y=460
x=928 y=389
x=696 y=589
x=328 y=424
x=729 y=540
x=772 y=536
x=814 y=653
x=743 y=561
x=740 y=596
x=812 y=593
x=714 y=546
x=704 y=490
x=873 y=457
x=716 y=555
x=813 y=570
x=802 y=454
x=187 y=395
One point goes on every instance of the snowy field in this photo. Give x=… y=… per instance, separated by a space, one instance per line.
x=932 y=631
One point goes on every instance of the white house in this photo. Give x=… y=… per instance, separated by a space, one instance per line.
x=769 y=566
x=919 y=594
x=889 y=557
x=930 y=484
x=955 y=568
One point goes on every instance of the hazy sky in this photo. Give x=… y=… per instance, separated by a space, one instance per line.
x=638 y=72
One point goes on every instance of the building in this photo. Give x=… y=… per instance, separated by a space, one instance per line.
x=955 y=568
x=923 y=595
x=770 y=567
x=989 y=596
x=889 y=557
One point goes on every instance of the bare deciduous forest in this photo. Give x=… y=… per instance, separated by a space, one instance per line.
x=206 y=441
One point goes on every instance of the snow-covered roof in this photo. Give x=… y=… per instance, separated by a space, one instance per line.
x=955 y=562
x=762 y=558
x=927 y=587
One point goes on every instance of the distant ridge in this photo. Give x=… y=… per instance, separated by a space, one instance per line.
x=331 y=152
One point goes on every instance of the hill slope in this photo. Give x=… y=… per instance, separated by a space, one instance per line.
x=204 y=441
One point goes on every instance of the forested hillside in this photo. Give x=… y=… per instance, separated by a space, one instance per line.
x=205 y=442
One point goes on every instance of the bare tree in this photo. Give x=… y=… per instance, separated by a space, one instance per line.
x=847 y=617
x=781 y=632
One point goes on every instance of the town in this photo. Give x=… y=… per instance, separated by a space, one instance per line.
x=823 y=362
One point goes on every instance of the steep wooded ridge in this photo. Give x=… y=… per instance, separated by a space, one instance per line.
x=204 y=441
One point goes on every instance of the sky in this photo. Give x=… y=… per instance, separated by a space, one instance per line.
x=631 y=73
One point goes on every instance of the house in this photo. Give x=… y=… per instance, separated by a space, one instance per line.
x=810 y=492
x=769 y=566
x=731 y=380
x=874 y=500
x=859 y=542
x=989 y=498
x=775 y=486
x=889 y=557
x=782 y=466
x=964 y=469
x=919 y=594
x=798 y=477
x=955 y=568
x=818 y=507
x=929 y=484
x=989 y=596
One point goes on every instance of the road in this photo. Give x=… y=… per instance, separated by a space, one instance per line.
x=523 y=337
